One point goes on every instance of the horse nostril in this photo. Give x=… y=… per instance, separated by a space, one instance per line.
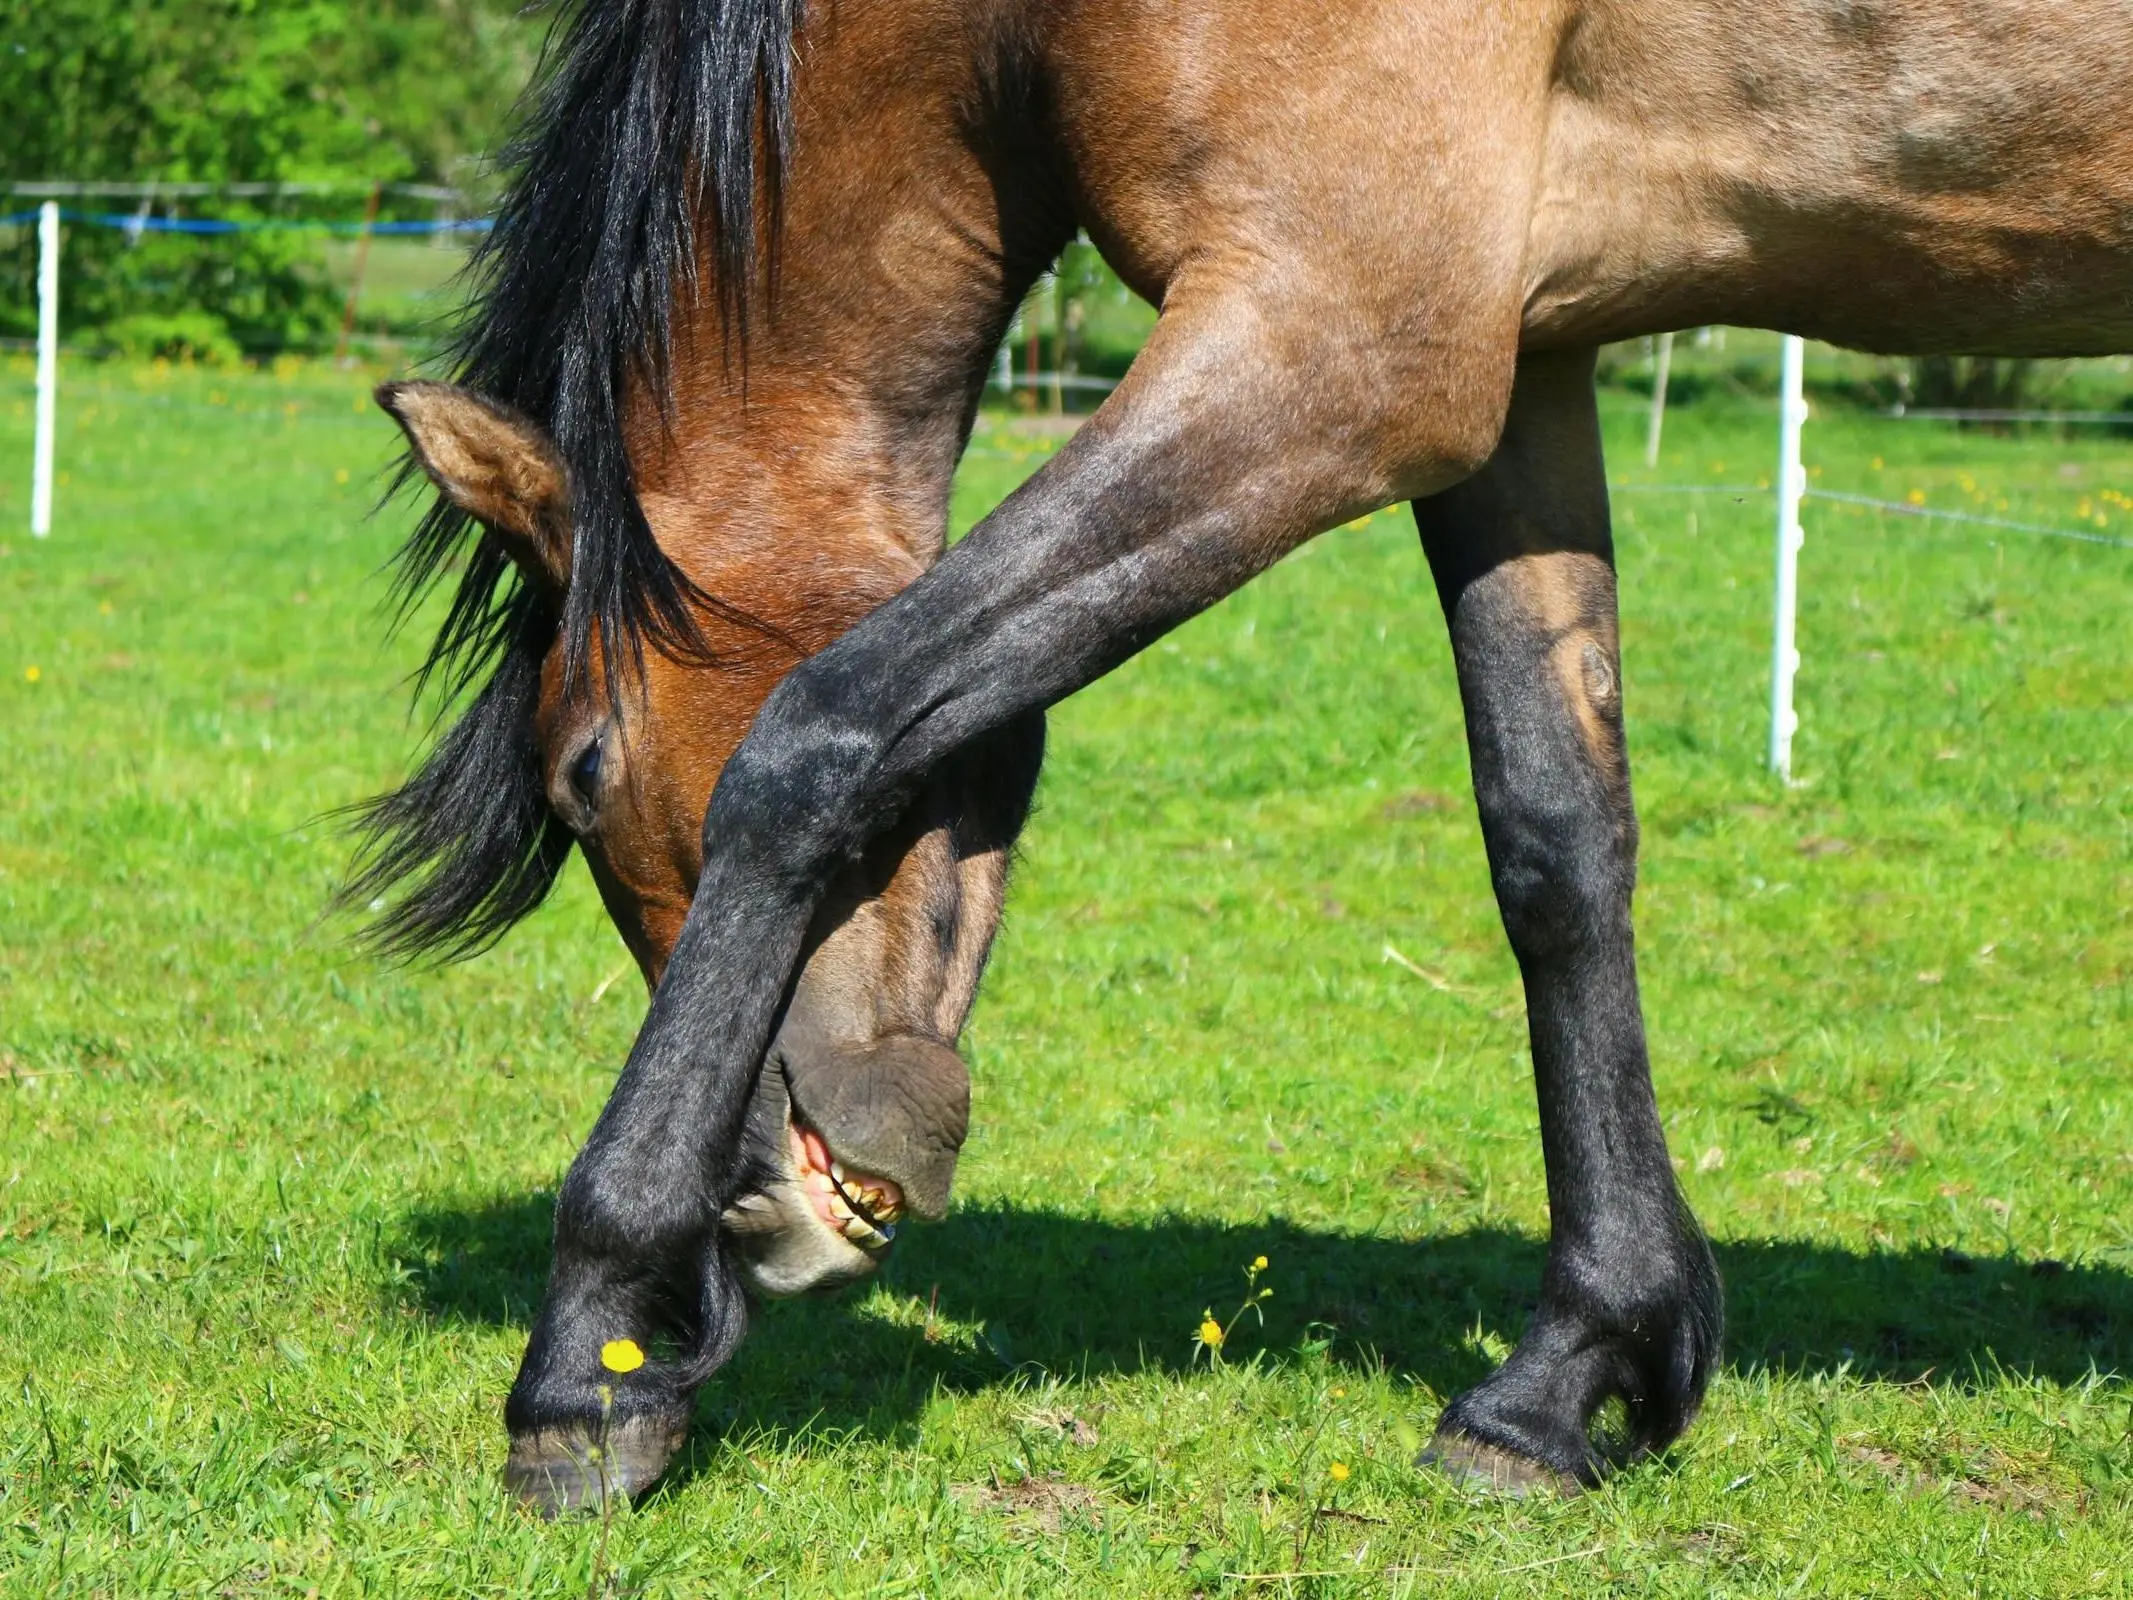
x=585 y=775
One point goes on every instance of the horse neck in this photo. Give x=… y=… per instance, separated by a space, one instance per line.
x=918 y=210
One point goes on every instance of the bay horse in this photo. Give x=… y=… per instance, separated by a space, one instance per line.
x=739 y=305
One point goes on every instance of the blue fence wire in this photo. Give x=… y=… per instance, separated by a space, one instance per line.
x=134 y=223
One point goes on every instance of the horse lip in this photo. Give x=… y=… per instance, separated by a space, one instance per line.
x=880 y=1234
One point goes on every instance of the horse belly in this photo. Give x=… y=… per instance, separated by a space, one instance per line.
x=1915 y=175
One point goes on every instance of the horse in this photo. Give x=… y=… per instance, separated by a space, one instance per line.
x=735 y=317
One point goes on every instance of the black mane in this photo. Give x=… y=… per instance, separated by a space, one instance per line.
x=643 y=129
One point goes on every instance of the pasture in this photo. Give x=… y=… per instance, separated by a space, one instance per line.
x=273 y=1217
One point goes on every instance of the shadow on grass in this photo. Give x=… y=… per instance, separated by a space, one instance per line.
x=1073 y=1296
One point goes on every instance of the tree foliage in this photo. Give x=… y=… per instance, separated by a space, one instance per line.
x=1971 y=383
x=259 y=91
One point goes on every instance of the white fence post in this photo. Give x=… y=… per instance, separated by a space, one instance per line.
x=1792 y=488
x=47 y=367
x=1662 y=369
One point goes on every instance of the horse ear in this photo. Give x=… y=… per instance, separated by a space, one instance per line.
x=500 y=468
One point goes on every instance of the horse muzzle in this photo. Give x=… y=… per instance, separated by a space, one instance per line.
x=857 y=1138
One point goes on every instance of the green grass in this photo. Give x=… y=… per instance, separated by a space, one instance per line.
x=272 y=1217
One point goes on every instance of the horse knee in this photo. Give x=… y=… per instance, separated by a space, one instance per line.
x=1563 y=868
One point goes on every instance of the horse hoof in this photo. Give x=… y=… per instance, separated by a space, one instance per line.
x=1474 y=1462
x=557 y=1471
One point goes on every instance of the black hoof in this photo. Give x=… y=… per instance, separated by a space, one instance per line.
x=1481 y=1465
x=574 y=1468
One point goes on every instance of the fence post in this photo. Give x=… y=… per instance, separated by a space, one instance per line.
x=47 y=367
x=1032 y=355
x=1792 y=488
x=362 y=265
x=1662 y=369
x=1059 y=329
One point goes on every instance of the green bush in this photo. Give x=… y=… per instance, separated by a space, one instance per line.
x=196 y=336
x=261 y=291
x=239 y=91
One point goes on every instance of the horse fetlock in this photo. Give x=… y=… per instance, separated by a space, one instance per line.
x=1548 y=1415
x=1657 y=1333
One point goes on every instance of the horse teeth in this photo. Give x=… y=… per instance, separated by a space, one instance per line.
x=837 y=1170
x=858 y=1232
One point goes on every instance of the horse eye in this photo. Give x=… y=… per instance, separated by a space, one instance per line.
x=585 y=776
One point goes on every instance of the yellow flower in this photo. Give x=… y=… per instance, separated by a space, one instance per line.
x=1340 y=1394
x=1259 y=1263
x=1338 y=1472
x=1917 y=497
x=621 y=1355
x=32 y=674
x=1211 y=1333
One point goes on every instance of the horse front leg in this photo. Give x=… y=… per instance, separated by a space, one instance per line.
x=1630 y=1303
x=1184 y=486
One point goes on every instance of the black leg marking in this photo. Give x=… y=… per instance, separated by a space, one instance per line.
x=1630 y=1304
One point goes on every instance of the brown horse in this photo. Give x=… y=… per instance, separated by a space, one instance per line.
x=745 y=288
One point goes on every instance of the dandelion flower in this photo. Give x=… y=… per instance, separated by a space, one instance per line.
x=1338 y=1472
x=621 y=1355
x=1340 y=1394
x=1259 y=1263
x=1211 y=1333
x=32 y=674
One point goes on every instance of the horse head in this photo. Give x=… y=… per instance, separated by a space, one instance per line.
x=862 y=1103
